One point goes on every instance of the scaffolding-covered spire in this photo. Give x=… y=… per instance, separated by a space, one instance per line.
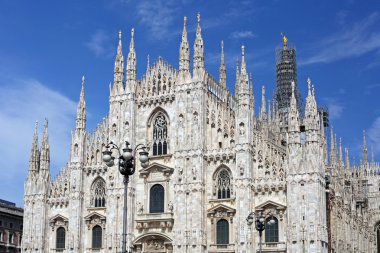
x=198 y=61
x=184 y=54
x=222 y=69
x=81 y=110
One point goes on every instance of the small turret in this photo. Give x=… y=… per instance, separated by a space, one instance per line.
x=222 y=68
x=131 y=65
x=198 y=61
x=184 y=55
x=118 y=86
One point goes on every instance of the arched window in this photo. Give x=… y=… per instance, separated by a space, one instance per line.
x=223 y=184
x=160 y=135
x=97 y=237
x=98 y=193
x=222 y=232
x=157 y=199
x=61 y=237
x=271 y=230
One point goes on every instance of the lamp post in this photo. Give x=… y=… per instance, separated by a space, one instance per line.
x=259 y=220
x=126 y=166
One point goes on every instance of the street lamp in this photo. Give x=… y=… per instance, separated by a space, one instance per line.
x=126 y=166
x=259 y=224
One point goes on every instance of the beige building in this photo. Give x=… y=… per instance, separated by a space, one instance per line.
x=212 y=162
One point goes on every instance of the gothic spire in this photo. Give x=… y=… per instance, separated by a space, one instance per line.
x=332 y=147
x=119 y=69
x=365 y=151
x=222 y=68
x=347 y=160
x=184 y=54
x=243 y=65
x=293 y=115
x=237 y=83
x=45 y=149
x=198 y=61
x=311 y=113
x=131 y=64
x=34 y=153
x=263 y=110
x=372 y=157
x=81 y=110
x=340 y=153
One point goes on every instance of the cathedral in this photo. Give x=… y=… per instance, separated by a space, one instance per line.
x=212 y=162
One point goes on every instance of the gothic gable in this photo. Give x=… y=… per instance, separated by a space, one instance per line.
x=271 y=208
x=156 y=170
x=94 y=219
x=58 y=221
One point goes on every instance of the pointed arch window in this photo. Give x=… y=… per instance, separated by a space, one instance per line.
x=157 y=199
x=223 y=184
x=222 y=232
x=271 y=230
x=97 y=237
x=160 y=135
x=60 y=239
x=98 y=193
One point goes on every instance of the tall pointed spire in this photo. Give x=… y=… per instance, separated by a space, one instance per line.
x=198 y=61
x=81 y=110
x=293 y=120
x=365 y=151
x=263 y=110
x=332 y=148
x=222 y=68
x=184 y=54
x=237 y=80
x=243 y=69
x=119 y=69
x=340 y=153
x=131 y=64
x=347 y=160
x=311 y=113
x=45 y=150
x=372 y=157
x=34 y=153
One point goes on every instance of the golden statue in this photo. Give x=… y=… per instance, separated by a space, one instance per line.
x=284 y=39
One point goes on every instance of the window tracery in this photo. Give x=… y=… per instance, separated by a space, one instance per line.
x=98 y=193
x=160 y=135
x=223 y=184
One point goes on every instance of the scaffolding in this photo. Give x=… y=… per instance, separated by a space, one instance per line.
x=286 y=73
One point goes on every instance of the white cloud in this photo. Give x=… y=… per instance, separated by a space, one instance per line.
x=22 y=102
x=100 y=44
x=157 y=15
x=353 y=41
x=242 y=35
x=334 y=106
x=374 y=135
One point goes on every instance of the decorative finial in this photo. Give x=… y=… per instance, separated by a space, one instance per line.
x=309 y=86
x=184 y=21
x=284 y=39
x=242 y=50
x=148 y=64
x=132 y=32
x=119 y=34
x=83 y=78
x=222 y=44
x=199 y=17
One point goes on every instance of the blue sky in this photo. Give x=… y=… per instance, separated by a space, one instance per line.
x=46 y=47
